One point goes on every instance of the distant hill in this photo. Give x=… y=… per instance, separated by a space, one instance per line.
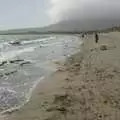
x=68 y=26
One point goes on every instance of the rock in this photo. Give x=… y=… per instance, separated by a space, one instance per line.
x=3 y=63
x=61 y=98
x=24 y=63
x=16 y=61
x=15 y=43
x=60 y=108
x=9 y=73
x=67 y=79
x=61 y=69
x=1 y=75
x=103 y=47
x=77 y=64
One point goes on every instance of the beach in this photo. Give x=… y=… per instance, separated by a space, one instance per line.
x=85 y=87
x=27 y=59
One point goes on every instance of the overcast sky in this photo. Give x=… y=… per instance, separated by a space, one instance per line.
x=84 y=9
x=23 y=13
x=38 y=13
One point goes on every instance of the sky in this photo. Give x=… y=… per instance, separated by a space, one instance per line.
x=23 y=13
x=39 y=13
x=84 y=9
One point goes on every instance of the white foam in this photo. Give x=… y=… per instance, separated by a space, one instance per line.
x=38 y=40
x=3 y=44
x=28 y=96
x=14 y=53
x=2 y=89
x=11 y=54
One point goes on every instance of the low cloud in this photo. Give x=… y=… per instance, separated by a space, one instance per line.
x=84 y=9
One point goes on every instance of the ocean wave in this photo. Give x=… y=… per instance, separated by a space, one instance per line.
x=11 y=54
x=39 y=51
x=37 y=40
x=3 y=45
x=8 y=98
x=13 y=95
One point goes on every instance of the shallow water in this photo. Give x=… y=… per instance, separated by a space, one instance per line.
x=22 y=65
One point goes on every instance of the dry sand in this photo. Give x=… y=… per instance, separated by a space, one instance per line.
x=86 y=87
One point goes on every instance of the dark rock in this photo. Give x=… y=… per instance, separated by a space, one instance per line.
x=1 y=75
x=77 y=64
x=60 y=108
x=24 y=63
x=3 y=63
x=103 y=47
x=16 y=61
x=9 y=73
x=15 y=43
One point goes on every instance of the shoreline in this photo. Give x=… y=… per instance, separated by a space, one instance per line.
x=11 y=110
x=80 y=88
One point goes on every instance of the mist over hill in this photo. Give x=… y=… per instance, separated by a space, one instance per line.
x=69 y=26
x=83 y=25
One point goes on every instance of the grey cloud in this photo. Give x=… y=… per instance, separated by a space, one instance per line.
x=84 y=9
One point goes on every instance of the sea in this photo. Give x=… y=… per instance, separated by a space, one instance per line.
x=25 y=60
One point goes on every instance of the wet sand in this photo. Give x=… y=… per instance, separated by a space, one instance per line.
x=85 y=87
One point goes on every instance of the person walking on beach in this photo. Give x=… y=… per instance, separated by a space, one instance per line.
x=83 y=35
x=96 y=38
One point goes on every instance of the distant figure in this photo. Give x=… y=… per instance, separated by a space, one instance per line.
x=96 y=38
x=83 y=35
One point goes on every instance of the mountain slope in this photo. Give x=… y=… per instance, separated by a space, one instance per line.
x=69 y=26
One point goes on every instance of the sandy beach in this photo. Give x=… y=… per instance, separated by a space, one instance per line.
x=85 y=87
